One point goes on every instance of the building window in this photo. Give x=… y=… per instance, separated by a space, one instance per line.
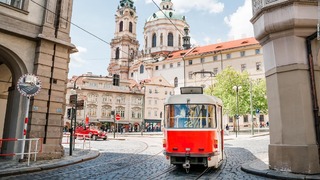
x=117 y=53
x=131 y=74
x=178 y=64
x=171 y=65
x=258 y=66
x=161 y=39
x=190 y=75
x=121 y=111
x=175 y=82
x=154 y=40
x=261 y=118
x=130 y=27
x=190 y=62
x=245 y=118
x=170 y=39
x=215 y=71
x=141 y=69
x=228 y=56
x=14 y=3
x=92 y=110
x=243 y=67
x=257 y=51
x=121 y=26
x=92 y=98
x=242 y=53
x=230 y=119
x=157 y=67
x=163 y=66
x=202 y=60
x=155 y=113
x=155 y=102
x=150 y=91
x=215 y=58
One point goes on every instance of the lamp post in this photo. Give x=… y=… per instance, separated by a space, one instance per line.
x=237 y=88
x=251 y=109
x=143 y=107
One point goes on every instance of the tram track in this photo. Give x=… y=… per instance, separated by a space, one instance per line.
x=108 y=163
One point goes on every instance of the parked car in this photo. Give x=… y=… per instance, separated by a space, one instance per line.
x=93 y=134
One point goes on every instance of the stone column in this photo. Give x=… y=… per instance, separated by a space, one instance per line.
x=281 y=26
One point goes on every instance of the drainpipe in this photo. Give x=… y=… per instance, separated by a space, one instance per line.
x=313 y=89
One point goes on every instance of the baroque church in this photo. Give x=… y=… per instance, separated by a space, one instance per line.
x=167 y=54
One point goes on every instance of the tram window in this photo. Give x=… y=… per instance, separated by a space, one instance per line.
x=191 y=116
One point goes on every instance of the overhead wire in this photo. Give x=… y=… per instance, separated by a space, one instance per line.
x=168 y=18
x=77 y=26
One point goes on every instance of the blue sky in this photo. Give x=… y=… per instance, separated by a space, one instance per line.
x=210 y=21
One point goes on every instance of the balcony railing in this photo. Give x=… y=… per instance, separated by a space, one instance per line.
x=257 y=5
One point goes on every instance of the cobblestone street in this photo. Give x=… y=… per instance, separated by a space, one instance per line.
x=136 y=157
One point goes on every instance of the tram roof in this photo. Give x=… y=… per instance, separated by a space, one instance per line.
x=193 y=99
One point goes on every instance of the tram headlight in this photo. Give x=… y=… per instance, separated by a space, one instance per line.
x=188 y=149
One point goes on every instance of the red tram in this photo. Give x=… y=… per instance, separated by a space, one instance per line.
x=193 y=129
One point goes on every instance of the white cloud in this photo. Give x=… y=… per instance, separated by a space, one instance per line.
x=210 y=6
x=76 y=59
x=239 y=22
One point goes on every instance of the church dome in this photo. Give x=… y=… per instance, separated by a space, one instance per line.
x=171 y=14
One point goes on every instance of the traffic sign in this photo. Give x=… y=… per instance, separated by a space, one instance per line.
x=73 y=99
x=117 y=117
x=80 y=105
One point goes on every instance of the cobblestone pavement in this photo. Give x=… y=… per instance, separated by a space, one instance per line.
x=140 y=157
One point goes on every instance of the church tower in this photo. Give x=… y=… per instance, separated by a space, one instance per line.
x=124 y=45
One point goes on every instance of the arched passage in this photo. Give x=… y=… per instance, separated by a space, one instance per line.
x=12 y=104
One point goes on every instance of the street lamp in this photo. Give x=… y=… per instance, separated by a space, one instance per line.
x=237 y=88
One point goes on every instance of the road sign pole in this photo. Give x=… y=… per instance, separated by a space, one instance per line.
x=25 y=127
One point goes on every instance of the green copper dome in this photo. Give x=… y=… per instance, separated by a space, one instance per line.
x=171 y=14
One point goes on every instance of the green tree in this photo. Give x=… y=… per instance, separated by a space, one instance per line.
x=223 y=88
x=259 y=96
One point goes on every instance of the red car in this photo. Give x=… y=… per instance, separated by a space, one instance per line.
x=94 y=134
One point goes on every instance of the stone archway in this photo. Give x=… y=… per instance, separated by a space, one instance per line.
x=11 y=102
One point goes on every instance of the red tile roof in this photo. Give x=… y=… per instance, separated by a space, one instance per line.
x=213 y=48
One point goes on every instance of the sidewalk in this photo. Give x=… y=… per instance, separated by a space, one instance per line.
x=258 y=167
x=13 y=167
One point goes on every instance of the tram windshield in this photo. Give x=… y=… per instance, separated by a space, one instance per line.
x=190 y=116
